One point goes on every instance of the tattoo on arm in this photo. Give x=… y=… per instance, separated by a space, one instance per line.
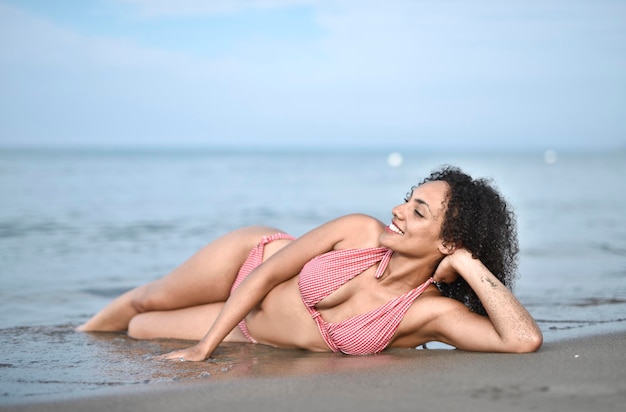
x=491 y=282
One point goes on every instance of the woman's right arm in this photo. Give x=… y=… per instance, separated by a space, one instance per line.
x=281 y=266
x=509 y=327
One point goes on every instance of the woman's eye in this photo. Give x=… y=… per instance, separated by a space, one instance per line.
x=418 y=213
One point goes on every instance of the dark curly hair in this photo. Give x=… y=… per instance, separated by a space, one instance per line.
x=479 y=219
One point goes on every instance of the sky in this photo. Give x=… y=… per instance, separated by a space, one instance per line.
x=404 y=75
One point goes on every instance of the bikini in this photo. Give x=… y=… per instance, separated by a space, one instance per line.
x=367 y=333
x=254 y=259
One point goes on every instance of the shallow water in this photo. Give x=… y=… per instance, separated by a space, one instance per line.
x=58 y=363
x=79 y=227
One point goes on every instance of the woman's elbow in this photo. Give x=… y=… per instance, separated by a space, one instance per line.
x=529 y=343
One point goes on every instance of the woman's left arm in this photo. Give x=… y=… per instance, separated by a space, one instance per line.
x=508 y=328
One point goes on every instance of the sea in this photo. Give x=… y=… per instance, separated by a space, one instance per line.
x=80 y=226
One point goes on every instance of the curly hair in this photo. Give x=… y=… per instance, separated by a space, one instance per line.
x=479 y=219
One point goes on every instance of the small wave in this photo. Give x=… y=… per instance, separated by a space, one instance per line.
x=137 y=230
x=580 y=321
x=560 y=324
x=598 y=302
x=105 y=292
x=13 y=229
x=611 y=249
x=587 y=302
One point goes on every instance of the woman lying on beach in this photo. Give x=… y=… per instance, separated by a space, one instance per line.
x=439 y=271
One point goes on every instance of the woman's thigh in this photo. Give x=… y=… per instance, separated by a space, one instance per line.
x=207 y=276
x=188 y=323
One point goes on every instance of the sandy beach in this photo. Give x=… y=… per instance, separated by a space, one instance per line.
x=584 y=374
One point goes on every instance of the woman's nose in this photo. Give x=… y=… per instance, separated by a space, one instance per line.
x=397 y=212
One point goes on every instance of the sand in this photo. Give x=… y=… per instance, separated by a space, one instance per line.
x=584 y=374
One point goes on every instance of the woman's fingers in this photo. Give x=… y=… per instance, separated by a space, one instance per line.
x=445 y=272
x=193 y=354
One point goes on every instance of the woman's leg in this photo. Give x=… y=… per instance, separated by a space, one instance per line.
x=189 y=323
x=206 y=277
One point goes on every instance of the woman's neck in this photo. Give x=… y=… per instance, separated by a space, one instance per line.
x=410 y=271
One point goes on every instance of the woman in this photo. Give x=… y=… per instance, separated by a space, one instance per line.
x=440 y=271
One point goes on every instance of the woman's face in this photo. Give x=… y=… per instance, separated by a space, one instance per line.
x=415 y=228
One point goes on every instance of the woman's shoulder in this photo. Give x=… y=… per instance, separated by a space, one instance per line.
x=362 y=218
x=360 y=231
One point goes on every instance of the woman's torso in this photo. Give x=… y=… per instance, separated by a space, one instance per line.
x=271 y=324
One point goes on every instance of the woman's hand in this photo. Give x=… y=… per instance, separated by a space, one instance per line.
x=193 y=354
x=447 y=271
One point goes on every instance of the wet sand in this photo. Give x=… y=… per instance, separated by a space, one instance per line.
x=585 y=374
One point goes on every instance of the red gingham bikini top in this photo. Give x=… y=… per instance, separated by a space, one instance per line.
x=366 y=333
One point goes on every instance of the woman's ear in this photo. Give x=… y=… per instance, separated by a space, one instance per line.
x=447 y=248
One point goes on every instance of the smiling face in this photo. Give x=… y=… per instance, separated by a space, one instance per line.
x=415 y=228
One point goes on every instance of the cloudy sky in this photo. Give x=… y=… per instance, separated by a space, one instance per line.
x=420 y=74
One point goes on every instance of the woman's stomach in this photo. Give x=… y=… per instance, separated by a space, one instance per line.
x=282 y=320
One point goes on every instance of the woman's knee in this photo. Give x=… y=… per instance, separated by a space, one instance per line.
x=145 y=298
x=139 y=327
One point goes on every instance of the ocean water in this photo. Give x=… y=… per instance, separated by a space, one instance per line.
x=78 y=227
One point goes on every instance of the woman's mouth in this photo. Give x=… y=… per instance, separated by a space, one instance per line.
x=395 y=229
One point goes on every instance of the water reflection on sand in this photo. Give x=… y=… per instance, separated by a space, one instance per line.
x=46 y=361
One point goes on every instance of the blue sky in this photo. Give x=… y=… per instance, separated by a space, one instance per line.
x=404 y=75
